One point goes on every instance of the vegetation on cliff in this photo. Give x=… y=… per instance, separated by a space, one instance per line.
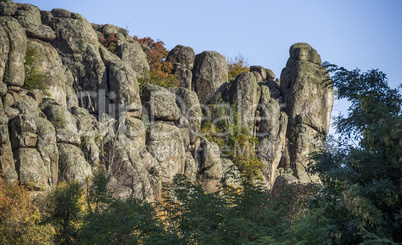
x=358 y=200
x=161 y=71
x=34 y=79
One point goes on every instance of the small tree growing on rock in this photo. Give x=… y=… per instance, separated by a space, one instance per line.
x=161 y=71
x=236 y=66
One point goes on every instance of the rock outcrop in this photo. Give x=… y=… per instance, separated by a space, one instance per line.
x=182 y=58
x=89 y=113
x=210 y=73
x=305 y=85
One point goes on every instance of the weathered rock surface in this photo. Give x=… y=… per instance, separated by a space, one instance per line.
x=30 y=167
x=245 y=93
x=127 y=49
x=13 y=47
x=210 y=73
x=48 y=62
x=7 y=165
x=77 y=42
x=271 y=134
x=210 y=164
x=231 y=173
x=187 y=101
x=72 y=163
x=166 y=145
x=159 y=103
x=92 y=115
x=182 y=58
x=122 y=85
x=309 y=98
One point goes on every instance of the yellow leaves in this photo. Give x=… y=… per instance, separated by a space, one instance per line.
x=237 y=66
x=20 y=217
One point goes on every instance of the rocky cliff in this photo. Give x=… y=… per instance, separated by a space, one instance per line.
x=70 y=106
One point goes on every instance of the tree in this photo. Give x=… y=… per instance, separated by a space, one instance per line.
x=123 y=222
x=160 y=70
x=229 y=216
x=20 y=219
x=114 y=221
x=64 y=211
x=362 y=192
x=236 y=66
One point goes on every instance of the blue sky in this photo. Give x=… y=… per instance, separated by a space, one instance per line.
x=351 y=33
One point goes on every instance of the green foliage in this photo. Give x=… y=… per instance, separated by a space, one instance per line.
x=20 y=219
x=313 y=228
x=114 y=221
x=222 y=126
x=236 y=66
x=362 y=194
x=146 y=122
x=59 y=121
x=122 y=222
x=98 y=194
x=34 y=79
x=163 y=78
x=228 y=216
x=84 y=143
x=64 y=211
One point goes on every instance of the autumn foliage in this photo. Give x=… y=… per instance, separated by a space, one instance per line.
x=156 y=51
x=20 y=217
x=236 y=66
x=109 y=41
x=161 y=71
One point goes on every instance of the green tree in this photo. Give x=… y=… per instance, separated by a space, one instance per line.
x=123 y=222
x=229 y=216
x=64 y=211
x=362 y=193
x=98 y=194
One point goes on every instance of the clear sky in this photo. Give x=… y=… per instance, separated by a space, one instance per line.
x=351 y=33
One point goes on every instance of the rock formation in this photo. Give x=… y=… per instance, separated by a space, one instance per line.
x=91 y=114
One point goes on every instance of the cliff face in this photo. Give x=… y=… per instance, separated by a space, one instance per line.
x=90 y=112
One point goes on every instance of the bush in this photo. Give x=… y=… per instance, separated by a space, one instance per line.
x=237 y=143
x=34 y=79
x=20 y=219
x=236 y=66
x=109 y=41
x=161 y=71
x=64 y=211
x=229 y=216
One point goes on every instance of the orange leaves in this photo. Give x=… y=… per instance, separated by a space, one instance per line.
x=20 y=217
x=109 y=41
x=156 y=51
x=161 y=72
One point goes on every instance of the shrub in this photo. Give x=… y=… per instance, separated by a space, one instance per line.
x=109 y=41
x=236 y=66
x=59 y=121
x=237 y=143
x=64 y=211
x=34 y=79
x=20 y=219
x=161 y=71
